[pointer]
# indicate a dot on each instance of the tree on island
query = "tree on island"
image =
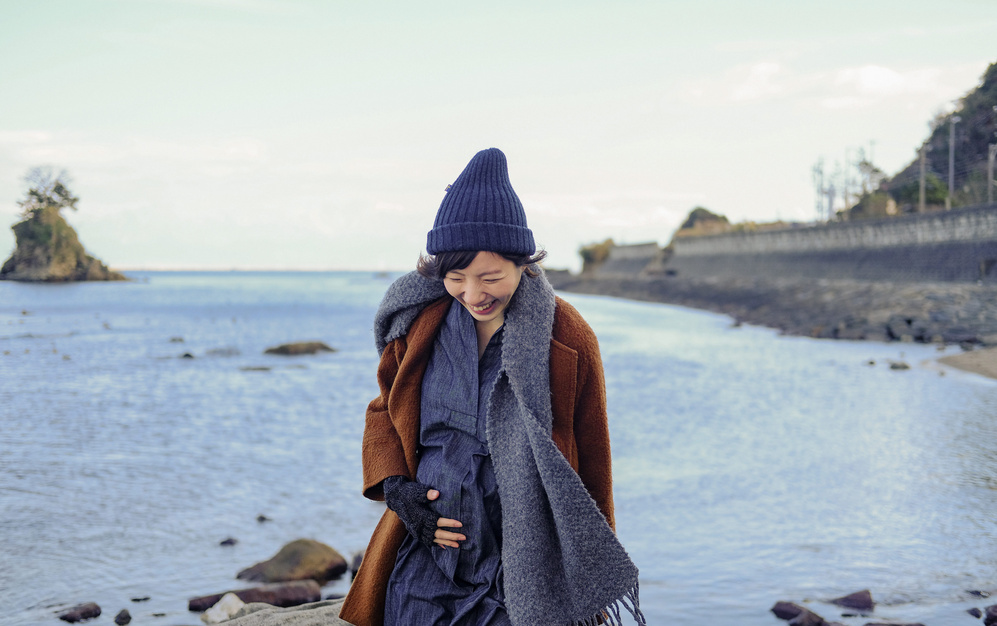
(48, 249)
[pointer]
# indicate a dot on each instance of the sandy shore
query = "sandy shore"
(982, 362)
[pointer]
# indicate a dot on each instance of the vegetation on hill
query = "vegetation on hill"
(974, 132)
(48, 249)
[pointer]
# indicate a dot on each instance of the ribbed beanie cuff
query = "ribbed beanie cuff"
(481, 211)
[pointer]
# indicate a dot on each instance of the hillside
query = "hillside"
(974, 132)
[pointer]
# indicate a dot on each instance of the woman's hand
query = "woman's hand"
(444, 525)
(411, 503)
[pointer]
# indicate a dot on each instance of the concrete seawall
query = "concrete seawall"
(957, 246)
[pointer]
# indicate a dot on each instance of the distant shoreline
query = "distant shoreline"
(942, 313)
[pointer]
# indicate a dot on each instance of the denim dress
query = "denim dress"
(455, 586)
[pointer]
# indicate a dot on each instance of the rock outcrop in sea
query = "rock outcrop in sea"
(47, 248)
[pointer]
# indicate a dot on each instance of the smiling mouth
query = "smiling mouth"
(483, 308)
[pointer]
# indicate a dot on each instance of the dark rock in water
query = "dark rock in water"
(897, 365)
(186, 355)
(230, 541)
(786, 610)
(807, 618)
(893, 624)
(990, 615)
(976, 593)
(301, 347)
(975, 612)
(860, 600)
(141, 599)
(123, 617)
(263, 518)
(299, 560)
(355, 564)
(81, 612)
(284, 594)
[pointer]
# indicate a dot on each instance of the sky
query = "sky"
(321, 134)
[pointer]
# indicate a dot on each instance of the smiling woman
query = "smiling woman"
(489, 441)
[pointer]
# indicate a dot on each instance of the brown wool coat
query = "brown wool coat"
(391, 435)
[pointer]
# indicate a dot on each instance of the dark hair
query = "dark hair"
(438, 265)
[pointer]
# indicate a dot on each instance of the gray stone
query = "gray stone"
(81, 612)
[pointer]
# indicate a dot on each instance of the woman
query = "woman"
(489, 440)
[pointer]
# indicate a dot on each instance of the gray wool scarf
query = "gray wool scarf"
(562, 563)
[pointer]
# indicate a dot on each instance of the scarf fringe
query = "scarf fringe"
(613, 616)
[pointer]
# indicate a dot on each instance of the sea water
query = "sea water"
(141, 424)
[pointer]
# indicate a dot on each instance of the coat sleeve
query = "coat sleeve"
(591, 428)
(383, 454)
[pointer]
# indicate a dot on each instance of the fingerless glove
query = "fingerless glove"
(409, 501)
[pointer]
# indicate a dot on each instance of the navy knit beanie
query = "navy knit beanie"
(481, 211)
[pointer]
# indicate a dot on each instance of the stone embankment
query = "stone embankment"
(942, 312)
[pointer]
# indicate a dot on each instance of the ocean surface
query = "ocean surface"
(749, 467)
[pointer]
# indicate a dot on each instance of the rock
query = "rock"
(123, 617)
(860, 600)
(975, 612)
(261, 518)
(301, 347)
(223, 610)
(899, 365)
(299, 560)
(223, 352)
(807, 618)
(786, 610)
(230, 541)
(893, 624)
(355, 564)
(48, 250)
(283, 594)
(81, 612)
(325, 613)
(990, 615)
(141, 599)
(186, 355)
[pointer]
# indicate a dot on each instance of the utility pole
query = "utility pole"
(818, 174)
(955, 119)
(991, 157)
(920, 201)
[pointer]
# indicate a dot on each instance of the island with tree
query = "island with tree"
(47, 248)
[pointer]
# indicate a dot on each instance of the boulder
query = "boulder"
(301, 347)
(786, 610)
(299, 560)
(325, 613)
(807, 618)
(860, 601)
(123, 617)
(81, 612)
(223, 610)
(990, 615)
(284, 595)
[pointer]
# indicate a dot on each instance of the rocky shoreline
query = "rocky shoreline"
(944, 313)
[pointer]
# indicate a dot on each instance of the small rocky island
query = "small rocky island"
(47, 248)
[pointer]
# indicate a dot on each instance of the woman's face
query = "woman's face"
(485, 287)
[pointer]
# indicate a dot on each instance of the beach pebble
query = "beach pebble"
(81, 612)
